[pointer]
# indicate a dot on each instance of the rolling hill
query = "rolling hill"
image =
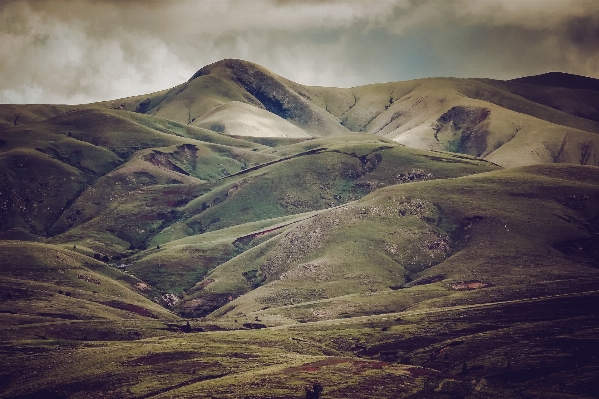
(514, 123)
(245, 236)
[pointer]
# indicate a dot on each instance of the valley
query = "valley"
(244, 236)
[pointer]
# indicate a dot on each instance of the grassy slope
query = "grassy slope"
(176, 266)
(146, 191)
(48, 164)
(232, 80)
(539, 348)
(241, 119)
(43, 171)
(35, 189)
(420, 351)
(14, 115)
(470, 116)
(542, 119)
(389, 164)
(364, 295)
(56, 293)
(338, 173)
(482, 227)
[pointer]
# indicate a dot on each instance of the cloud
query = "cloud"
(505, 38)
(82, 51)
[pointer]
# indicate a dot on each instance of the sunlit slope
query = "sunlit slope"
(234, 80)
(545, 119)
(513, 123)
(359, 106)
(470, 116)
(241, 119)
(504, 230)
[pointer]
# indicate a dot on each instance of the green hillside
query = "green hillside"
(404, 237)
(244, 236)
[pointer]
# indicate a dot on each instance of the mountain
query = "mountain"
(245, 236)
(516, 123)
(560, 79)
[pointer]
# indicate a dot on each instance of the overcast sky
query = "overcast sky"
(83, 51)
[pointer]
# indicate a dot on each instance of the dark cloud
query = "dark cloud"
(81, 51)
(584, 31)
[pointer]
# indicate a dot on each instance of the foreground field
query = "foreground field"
(538, 347)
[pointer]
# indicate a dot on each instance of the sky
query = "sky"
(81, 51)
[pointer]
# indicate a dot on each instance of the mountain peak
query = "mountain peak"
(561, 79)
(227, 64)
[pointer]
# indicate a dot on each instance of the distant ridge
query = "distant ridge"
(560, 79)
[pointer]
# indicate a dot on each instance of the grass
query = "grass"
(176, 266)
(418, 353)
(49, 292)
(538, 314)
(349, 260)
(452, 228)
(36, 188)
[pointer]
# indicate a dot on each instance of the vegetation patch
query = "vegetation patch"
(131, 308)
(469, 285)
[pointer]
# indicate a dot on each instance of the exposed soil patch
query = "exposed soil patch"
(245, 240)
(204, 284)
(414, 175)
(89, 279)
(316, 271)
(461, 116)
(199, 307)
(371, 161)
(162, 160)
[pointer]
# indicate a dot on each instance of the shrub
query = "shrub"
(314, 391)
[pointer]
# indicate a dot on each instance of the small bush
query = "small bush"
(314, 391)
